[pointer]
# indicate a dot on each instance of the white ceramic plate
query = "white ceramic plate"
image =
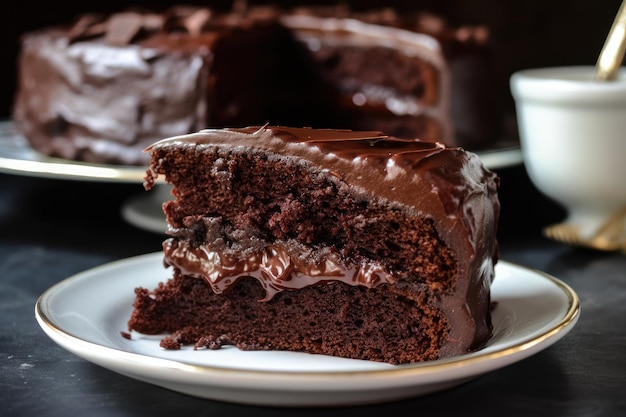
(18, 157)
(86, 313)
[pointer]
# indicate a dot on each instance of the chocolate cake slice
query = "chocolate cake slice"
(335, 242)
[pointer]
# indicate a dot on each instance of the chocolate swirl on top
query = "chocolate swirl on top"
(123, 28)
(134, 26)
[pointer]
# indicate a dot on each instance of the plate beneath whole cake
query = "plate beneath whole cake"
(18, 157)
(86, 313)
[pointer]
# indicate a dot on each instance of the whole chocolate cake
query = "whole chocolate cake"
(336, 242)
(104, 88)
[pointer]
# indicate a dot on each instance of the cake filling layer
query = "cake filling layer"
(274, 267)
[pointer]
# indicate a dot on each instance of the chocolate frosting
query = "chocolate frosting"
(447, 184)
(74, 99)
(138, 26)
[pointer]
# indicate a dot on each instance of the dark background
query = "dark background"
(525, 33)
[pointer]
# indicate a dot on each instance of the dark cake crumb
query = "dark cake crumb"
(171, 343)
(212, 343)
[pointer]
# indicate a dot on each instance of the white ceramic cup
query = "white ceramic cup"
(573, 141)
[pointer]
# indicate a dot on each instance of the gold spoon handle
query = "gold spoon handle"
(614, 47)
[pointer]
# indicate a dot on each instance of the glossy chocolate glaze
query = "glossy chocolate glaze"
(448, 185)
(74, 97)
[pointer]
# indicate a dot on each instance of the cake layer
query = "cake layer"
(379, 324)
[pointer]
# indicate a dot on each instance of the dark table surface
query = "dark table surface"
(51, 229)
